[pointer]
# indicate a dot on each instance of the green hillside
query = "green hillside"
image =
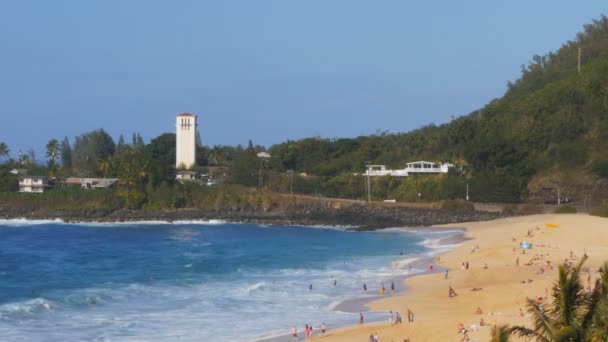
(550, 129)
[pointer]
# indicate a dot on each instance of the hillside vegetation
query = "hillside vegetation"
(549, 130)
(548, 134)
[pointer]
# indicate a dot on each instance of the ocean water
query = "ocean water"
(189, 281)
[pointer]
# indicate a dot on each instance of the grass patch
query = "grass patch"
(565, 209)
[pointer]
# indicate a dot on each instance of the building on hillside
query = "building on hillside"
(90, 183)
(35, 184)
(413, 168)
(185, 141)
(19, 172)
(186, 176)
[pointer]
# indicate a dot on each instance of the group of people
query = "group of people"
(308, 332)
(382, 289)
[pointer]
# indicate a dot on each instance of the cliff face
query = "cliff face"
(359, 216)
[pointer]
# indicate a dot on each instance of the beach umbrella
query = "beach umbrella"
(525, 245)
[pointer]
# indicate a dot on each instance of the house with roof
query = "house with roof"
(33, 184)
(414, 168)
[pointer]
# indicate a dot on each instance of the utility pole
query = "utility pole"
(290, 173)
(261, 177)
(580, 53)
(369, 185)
(467, 192)
(559, 200)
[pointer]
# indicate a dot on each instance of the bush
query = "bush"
(565, 209)
(530, 209)
(600, 168)
(457, 205)
(600, 211)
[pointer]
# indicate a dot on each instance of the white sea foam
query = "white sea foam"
(243, 306)
(26, 222)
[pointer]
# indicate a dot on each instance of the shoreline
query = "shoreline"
(357, 304)
(326, 213)
(494, 282)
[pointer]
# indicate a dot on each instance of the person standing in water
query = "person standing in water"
(392, 287)
(294, 334)
(361, 318)
(323, 328)
(310, 287)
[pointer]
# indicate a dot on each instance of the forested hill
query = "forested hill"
(549, 130)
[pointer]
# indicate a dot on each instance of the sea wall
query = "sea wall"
(359, 216)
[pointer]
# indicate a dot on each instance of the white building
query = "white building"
(35, 184)
(413, 168)
(185, 149)
(90, 183)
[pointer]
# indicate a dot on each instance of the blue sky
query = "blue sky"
(263, 70)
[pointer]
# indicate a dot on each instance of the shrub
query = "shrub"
(565, 209)
(600, 168)
(600, 211)
(457, 205)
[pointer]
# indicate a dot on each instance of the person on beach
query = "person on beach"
(310, 332)
(371, 337)
(390, 317)
(446, 274)
(376, 338)
(361, 318)
(467, 265)
(382, 289)
(398, 318)
(294, 334)
(392, 287)
(323, 328)
(410, 315)
(306, 331)
(451, 292)
(478, 311)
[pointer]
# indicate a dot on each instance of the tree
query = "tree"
(8, 181)
(162, 155)
(4, 151)
(52, 151)
(500, 333)
(133, 174)
(89, 148)
(105, 164)
(66, 153)
(572, 316)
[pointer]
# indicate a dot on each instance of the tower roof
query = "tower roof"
(187, 114)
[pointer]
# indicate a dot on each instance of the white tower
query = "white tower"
(185, 148)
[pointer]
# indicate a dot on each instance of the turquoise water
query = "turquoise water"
(187, 281)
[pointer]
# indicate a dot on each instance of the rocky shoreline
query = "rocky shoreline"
(358, 216)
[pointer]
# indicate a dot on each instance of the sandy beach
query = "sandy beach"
(493, 281)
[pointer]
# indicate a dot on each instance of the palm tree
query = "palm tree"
(52, 151)
(569, 317)
(500, 333)
(105, 164)
(4, 150)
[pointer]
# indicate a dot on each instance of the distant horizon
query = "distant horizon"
(267, 72)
